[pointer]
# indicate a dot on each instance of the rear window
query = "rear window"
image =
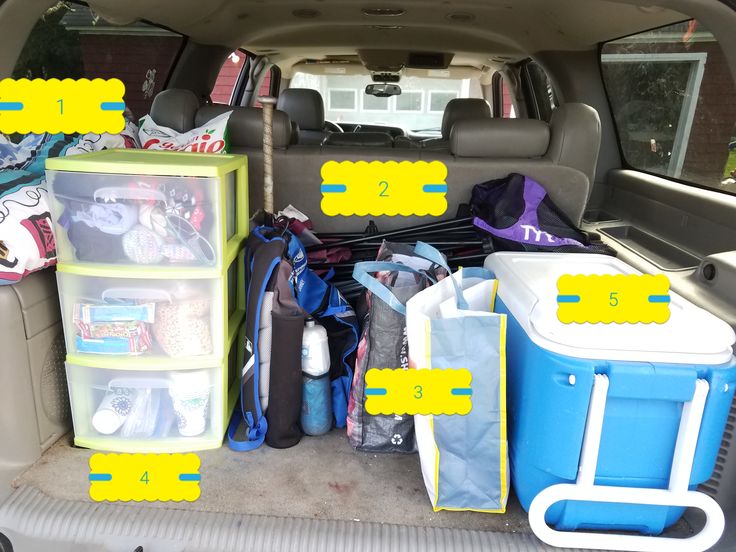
(674, 103)
(71, 41)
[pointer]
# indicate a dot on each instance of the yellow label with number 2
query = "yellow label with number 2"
(384, 188)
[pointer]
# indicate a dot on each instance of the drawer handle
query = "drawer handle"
(147, 294)
(113, 193)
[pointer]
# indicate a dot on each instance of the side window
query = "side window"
(674, 102)
(71, 41)
(507, 104)
(227, 78)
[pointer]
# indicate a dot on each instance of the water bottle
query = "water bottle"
(316, 415)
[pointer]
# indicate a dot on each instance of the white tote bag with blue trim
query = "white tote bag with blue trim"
(451, 324)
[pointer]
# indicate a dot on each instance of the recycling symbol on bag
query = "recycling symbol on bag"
(396, 439)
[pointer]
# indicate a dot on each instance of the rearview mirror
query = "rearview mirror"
(383, 90)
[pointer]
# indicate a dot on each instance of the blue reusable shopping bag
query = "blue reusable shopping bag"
(452, 325)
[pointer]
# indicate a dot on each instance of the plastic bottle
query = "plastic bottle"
(316, 415)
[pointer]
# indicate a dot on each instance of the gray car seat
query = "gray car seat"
(459, 109)
(305, 108)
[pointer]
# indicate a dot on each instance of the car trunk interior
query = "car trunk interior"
(322, 494)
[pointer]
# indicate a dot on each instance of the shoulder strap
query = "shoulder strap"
(430, 253)
(262, 257)
(361, 274)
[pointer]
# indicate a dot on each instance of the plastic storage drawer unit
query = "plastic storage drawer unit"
(147, 410)
(148, 208)
(155, 317)
(645, 377)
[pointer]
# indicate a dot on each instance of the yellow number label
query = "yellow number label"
(620, 298)
(149, 477)
(384, 188)
(437, 391)
(66, 106)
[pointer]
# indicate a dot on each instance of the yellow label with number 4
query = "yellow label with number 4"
(399, 391)
(384, 188)
(67, 106)
(620, 298)
(148, 477)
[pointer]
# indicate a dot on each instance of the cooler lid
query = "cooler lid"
(528, 287)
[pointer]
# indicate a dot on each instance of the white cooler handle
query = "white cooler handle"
(676, 495)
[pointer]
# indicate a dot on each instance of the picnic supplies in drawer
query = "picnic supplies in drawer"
(137, 316)
(625, 396)
(148, 208)
(147, 410)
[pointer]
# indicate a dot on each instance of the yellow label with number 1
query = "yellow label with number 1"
(149, 477)
(384, 188)
(399, 391)
(67, 106)
(620, 298)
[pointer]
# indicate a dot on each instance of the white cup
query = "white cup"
(190, 395)
(113, 410)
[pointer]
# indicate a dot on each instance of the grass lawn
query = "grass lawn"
(731, 164)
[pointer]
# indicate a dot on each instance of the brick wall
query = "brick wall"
(227, 78)
(128, 58)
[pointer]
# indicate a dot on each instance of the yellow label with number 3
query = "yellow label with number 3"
(620, 298)
(437, 391)
(384, 188)
(149, 477)
(66, 106)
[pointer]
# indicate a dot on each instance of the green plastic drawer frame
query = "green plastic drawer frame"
(174, 163)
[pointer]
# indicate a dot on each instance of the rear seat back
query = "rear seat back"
(561, 156)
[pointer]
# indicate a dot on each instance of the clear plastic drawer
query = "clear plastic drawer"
(147, 411)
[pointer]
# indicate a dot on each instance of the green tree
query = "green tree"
(51, 51)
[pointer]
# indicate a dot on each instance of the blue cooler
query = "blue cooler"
(650, 373)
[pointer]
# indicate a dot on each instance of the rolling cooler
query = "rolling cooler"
(611, 426)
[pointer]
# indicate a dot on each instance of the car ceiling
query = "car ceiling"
(476, 31)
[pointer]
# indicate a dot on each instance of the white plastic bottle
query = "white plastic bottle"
(316, 415)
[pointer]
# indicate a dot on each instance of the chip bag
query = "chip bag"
(209, 138)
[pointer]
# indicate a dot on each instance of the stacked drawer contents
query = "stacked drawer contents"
(150, 275)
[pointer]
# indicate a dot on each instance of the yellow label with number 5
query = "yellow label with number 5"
(384, 188)
(149, 477)
(67, 106)
(399, 391)
(620, 298)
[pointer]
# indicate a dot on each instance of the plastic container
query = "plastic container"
(148, 208)
(158, 318)
(316, 417)
(651, 371)
(147, 411)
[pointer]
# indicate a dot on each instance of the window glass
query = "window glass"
(419, 107)
(227, 78)
(374, 103)
(342, 100)
(674, 103)
(438, 100)
(410, 100)
(71, 41)
(506, 101)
